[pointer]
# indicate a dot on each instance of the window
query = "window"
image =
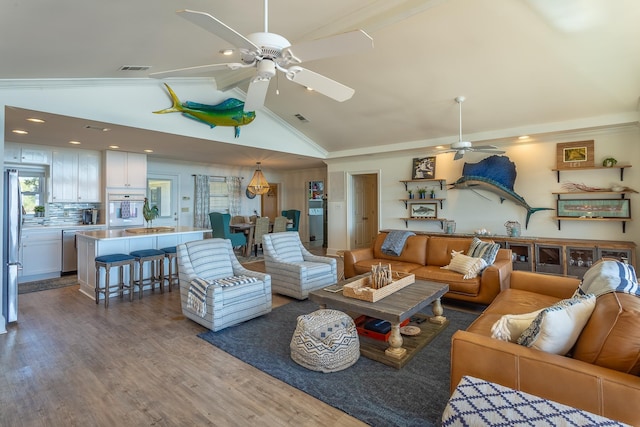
(32, 188)
(218, 195)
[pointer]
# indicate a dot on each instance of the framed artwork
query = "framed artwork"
(594, 208)
(571, 155)
(424, 168)
(424, 210)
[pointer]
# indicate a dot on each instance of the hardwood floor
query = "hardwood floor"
(70, 362)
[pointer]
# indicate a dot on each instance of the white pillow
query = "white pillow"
(556, 328)
(510, 326)
(463, 264)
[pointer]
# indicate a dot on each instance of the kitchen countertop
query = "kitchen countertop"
(62, 226)
(122, 233)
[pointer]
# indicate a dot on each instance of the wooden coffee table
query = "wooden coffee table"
(395, 308)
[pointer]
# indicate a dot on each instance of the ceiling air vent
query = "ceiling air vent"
(134, 68)
(301, 118)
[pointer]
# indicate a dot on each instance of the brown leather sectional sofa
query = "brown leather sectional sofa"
(424, 255)
(601, 376)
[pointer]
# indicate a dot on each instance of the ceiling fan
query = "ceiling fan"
(462, 147)
(269, 52)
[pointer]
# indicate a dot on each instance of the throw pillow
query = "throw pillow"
(510, 326)
(466, 265)
(556, 329)
(485, 250)
(609, 276)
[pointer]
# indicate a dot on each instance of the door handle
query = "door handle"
(364, 218)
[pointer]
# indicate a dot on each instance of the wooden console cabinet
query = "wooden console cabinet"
(566, 257)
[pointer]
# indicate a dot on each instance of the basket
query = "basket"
(360, 289)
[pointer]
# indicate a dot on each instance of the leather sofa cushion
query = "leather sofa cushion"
(439, 249)
(415, 249)
(611, 337)
(455, 281)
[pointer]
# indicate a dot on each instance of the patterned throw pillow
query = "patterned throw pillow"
(556, 328)
(463, 264)
(510, 326)
(485, 250)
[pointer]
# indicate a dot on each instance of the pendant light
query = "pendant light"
(258, 184)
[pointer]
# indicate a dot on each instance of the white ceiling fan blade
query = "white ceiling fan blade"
(200, 69)
(213, 25)
(320, 83)
(485, 147)
(256, 94)
(488, 150)
(340, 44)
(458, 155)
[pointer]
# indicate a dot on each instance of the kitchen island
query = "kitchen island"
(92, 244)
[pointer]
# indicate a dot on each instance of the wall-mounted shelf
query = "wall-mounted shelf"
(440, 220)
(594, 193)
(570, 218)
(621, 167)
(442, 182)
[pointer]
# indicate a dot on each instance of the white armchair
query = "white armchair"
(294, 270)
(223, 293)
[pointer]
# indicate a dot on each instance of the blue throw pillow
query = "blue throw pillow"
(485, 250)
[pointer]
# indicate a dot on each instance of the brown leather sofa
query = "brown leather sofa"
(601, 376)
(424, 255)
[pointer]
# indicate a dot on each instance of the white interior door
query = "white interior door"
(162, 191)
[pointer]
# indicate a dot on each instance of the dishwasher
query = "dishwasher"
(69, 249)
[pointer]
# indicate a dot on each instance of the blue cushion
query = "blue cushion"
(169, 250)
(114, 258)
(143, 253)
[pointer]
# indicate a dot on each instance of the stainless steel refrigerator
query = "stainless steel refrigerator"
(12, 229)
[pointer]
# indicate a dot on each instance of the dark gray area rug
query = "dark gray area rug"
(370, 391)
(47, 284)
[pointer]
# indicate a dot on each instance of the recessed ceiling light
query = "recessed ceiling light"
(439, 147)
(523, 137)
(35, 120)
(97, 128)
(20, 131)
(148, 151)
(114, 146)
(226, 52)
(75, 142)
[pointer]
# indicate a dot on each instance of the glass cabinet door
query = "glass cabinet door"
(521, 256)
(549, 259)
(579, 260)
(623, 255)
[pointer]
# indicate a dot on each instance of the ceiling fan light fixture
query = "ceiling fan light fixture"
(258, 183)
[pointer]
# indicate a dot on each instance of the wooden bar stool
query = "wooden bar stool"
(107, 262)
(172, 259)
(156, 258)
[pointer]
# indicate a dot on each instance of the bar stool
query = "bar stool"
(172, 258)
(107, 262)
(156, 258)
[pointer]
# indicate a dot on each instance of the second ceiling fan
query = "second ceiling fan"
(461, 147)
(269, 52)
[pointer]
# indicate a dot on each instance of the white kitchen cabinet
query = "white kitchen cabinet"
(12, 153)
(89, 176)
(41, 253)
(126, 170)
(75, 176)
(36, 156)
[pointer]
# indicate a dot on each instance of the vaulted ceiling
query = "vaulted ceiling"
(525, 66)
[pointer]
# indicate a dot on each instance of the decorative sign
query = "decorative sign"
(572, 155)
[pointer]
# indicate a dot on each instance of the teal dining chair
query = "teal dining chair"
(220, 229)
(293, 215)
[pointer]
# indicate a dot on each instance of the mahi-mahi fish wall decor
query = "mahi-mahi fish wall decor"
(496, 174)
(228, 113)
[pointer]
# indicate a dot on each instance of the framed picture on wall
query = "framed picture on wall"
(424, 168)
(424, 210)
(594, 208)
(571, 155)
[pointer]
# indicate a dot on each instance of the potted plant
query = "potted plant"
(433, 193)
(410, 194)
(422, 192)
(38, 211)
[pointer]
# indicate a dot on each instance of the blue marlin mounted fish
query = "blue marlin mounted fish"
(496, 174)
(227, 113)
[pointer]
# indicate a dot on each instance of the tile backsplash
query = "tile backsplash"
(64, 213)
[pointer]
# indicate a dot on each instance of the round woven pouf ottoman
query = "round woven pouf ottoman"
(325, 341)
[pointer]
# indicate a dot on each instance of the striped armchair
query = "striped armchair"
(202, 266)
(294, 270)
